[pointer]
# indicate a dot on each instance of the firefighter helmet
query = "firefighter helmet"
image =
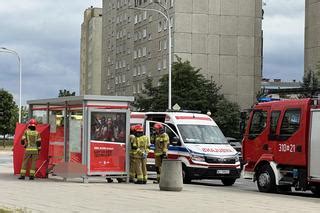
(158, 126)
(138, 128)
(32, 122)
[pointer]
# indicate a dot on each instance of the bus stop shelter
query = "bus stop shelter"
(89, 132)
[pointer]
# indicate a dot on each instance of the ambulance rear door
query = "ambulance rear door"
(314, 146)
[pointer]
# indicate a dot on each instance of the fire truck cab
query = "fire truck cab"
(281, 146)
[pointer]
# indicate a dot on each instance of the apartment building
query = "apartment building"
(312, 34)
(222, 37)
(90, 55)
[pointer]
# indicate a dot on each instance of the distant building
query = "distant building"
(268, 86)
(90, 55)
(222, 37)
(312, 34)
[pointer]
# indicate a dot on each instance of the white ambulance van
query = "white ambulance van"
(197, 141)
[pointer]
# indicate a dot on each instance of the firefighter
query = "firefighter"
(31, 141)
(140, 155)
(132, 172)
(161, 148)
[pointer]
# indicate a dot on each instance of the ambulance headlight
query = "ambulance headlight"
(198, 158)
(237, 159)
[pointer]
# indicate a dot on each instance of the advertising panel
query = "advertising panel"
(108, 142)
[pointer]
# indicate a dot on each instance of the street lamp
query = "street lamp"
(167, 17)
(6, 50)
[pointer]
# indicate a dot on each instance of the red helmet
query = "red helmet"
(32, 122)
(132, 128)
(158, 126)
(138, 128)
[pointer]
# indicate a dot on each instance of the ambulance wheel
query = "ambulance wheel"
(185, 175)
(266, 180)
(228, 181)
(315, 190)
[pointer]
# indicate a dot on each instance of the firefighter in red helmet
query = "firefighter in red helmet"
(140, 154)
(31, 141)
(161, 147)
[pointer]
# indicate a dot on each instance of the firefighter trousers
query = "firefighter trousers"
(158, 161)
(132, 171)
(141, 169)
(33, 158)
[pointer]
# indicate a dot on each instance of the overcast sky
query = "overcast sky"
(46, 34)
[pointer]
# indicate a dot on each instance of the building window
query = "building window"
(134, 89)
(164, 63)
(160, 44)
(123, 78)
(139, 53)
(171, 3)
(159, 26)
(150, 18)
(144, 51)
(165, 44)
(134, 54)
(139, 70)
(136, 19)
(144, 69)
(165, 23)
(134, 71)
(144, 15)
(159, 65)
(144, 33)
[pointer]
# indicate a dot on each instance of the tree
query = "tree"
(192, 91)
(8, 113)
(64, 93)
(310, 84)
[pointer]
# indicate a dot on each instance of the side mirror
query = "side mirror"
(176, 141)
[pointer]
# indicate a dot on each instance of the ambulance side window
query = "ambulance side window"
(170, 133)
(258, 123)
(290, 122)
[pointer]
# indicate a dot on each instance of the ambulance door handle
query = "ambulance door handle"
(265, 147)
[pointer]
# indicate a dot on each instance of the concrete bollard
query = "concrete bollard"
(171, 175)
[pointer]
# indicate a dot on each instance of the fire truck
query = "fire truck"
(281, 146)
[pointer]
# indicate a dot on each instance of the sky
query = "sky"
(46, 34)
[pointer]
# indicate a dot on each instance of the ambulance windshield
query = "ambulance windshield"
(201, 134)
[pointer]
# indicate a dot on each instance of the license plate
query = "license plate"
(223, 172)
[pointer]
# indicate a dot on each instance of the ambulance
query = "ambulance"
(197, 141)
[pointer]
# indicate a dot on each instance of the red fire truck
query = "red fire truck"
(281, 146)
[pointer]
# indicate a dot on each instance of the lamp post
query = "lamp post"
(6, 50)
(167, 17)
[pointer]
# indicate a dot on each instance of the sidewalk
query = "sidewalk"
(47, 195)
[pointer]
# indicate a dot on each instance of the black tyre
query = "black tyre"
(185, 175)
(316, 190)
(266, 181)
(228, 181)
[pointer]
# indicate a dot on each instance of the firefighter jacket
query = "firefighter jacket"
(161, 144)
(143, 147)
(31, 141)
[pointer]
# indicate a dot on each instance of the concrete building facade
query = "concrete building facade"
(312, 34)
(90, 55)
(222, 37)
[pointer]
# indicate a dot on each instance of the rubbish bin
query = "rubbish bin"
(171, 175)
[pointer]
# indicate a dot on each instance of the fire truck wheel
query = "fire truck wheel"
(185, 175)
(316, 190)
(228, 181)
(266, 179)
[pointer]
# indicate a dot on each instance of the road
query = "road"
(52, 195)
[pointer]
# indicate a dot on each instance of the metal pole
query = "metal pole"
(169, 67)
(20, 77)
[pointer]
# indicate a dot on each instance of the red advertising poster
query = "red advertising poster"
(107, 144)
(107, 157)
